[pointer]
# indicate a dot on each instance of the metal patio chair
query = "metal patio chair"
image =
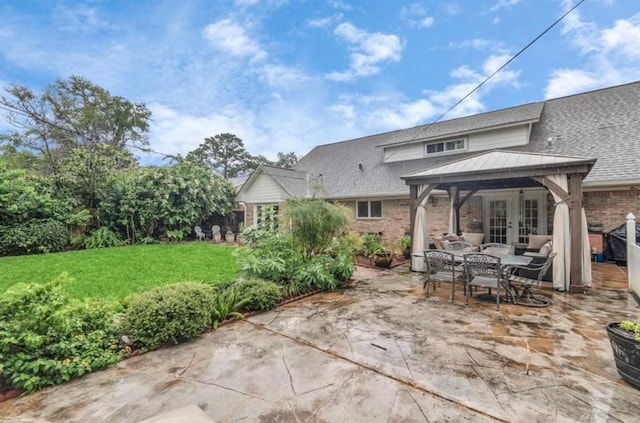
(200, 236)
(441, 267)
(497, 249)
(460, 246)
(517, 282)
(483, 270)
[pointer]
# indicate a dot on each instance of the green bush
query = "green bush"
(35, 236)
(48, 338)
(314, 224)
(259, 294)
(170, 313)
(102, 238)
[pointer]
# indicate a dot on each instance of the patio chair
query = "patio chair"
(441, 267)
(199, 234)
(497, 249)
(517, 282)
(483, 270)
(460, 246)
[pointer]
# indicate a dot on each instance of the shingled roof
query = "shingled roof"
(602, 124)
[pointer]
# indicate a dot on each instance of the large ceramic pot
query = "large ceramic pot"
(382, 260)
(626, 351)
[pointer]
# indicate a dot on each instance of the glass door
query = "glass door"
(511, 218)
(499, 224)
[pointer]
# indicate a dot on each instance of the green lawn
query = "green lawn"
(118, 272)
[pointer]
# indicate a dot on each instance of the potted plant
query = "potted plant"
(404, 243)
(382, 258)
(229, 237)
(625, 343)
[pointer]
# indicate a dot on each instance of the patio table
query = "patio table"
(506, 261)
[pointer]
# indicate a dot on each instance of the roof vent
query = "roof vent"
(360, 166)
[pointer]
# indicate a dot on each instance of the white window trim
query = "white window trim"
(369, 210)
(444, 143)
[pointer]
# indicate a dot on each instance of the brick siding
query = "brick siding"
(611, 207)
(607, 207)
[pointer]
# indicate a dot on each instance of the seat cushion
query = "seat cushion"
(472, 237)
(486, 281)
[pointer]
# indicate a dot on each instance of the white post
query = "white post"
(631, 243)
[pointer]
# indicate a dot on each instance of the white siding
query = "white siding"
(499, 138)
(404, 152)
(263, 190)
(487, 140)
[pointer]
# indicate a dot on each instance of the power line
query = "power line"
(17, 111)
(477, 87)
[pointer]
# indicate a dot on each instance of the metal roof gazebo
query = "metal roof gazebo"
(496, 169)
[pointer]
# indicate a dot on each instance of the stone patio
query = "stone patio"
(378, 351)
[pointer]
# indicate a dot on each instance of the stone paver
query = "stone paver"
(379, 351)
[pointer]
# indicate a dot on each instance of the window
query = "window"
(267, 217)
(368, 209)
(445, 146)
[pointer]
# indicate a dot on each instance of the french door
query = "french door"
(510, 218)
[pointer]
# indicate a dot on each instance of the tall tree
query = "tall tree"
(286, 160)
(70, 114)
(223, 153)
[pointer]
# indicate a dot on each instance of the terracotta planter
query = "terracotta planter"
(626, 351)
(217, 237)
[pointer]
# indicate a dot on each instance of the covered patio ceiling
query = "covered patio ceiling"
(500, 169)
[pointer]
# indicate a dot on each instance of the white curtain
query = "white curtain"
(586, 253)
(420, 239)
(453, 230)
(561, 236)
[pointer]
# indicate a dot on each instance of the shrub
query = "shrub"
(259, 294)
(169, 313)
(314, 273)
(314, 223)
(225, 304)
(49, 338)
(371, 244)
(35, 236)
(102, 238)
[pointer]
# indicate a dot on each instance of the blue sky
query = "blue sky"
(286, 75)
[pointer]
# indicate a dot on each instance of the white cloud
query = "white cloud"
(325, 22)
(368, 51)
(623, 38)
(609, 56)
(230, 37)
(340, 5)
(501, 4)
(427, 22)
(390, 110)
(569, 81)
(478, 44)
(415, 15)
(283, 76)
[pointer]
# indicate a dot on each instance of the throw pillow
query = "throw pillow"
(537, 241)
(545, 250)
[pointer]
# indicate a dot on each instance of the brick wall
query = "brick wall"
(393, 224)
(611, 207)
(438, 215)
